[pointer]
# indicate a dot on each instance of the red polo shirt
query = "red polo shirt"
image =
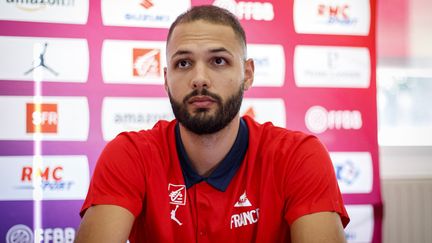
(254, 195)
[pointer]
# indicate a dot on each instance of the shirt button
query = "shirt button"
(202, 233)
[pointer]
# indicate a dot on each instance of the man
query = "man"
(211, 175)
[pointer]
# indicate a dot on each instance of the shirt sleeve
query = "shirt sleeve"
(310, 182)
(118, 178)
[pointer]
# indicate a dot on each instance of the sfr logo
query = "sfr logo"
(41, 118)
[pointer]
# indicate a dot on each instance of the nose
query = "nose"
(200, 79)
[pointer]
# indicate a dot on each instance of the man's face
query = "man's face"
(206, 75)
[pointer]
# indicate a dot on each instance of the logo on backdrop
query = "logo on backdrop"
(55, 118)
(21, 233)
(54, 11)
(41, 118)
(44, 59)
(361, 226)
(269, 64)
(132, 114)
(336, 14)
(329, 66)
(347, 172)
(260, 11)
(318, 119)
(40, 63)
(353, 171)
(249, 112)
(258, 108)
(147, 4)
(57, 177)
(31, 6)
(133, 62)
(332, 17)
(146, 62)
(51, 176)
(142, 13)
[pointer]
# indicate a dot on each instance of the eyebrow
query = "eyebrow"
(220, 49)
(215, 50)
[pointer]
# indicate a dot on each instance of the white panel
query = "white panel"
(63, 177)
(132, 114)
(360, 229)
(247, 10)
(155, 14)
(269, 64)
(353, 171)
(56, 59)
(325, 66)
(122, 64)
(71, 118)
(340, 17)
(65, 11)
(264, 110)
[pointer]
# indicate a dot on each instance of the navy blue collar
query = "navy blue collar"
(225, 171)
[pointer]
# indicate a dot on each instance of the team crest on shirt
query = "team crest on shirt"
(177, 194)
(245, 217)
(243, 201)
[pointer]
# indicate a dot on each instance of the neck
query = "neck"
(207, 151)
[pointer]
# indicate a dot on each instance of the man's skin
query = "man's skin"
(205, 55)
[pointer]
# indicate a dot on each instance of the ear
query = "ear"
(249, 70)
(165, 79)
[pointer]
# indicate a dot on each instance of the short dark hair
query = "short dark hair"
(214, 15)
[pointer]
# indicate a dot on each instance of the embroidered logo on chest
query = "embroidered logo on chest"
(177, 197)
(177, 194)
(248, 217)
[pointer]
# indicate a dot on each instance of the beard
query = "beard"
(201, 122)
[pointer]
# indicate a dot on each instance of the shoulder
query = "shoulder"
(270, 137)
(137, 147)
(158, 135)
(289, 154)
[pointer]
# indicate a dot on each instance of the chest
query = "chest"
(250, 210)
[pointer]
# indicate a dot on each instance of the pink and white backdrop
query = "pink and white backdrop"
(74, 73)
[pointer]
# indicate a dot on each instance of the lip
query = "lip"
(201, 101)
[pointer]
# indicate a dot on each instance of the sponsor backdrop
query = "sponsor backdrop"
(73, 74)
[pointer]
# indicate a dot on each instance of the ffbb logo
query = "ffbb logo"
(41, 118)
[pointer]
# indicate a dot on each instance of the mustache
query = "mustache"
(202, 92)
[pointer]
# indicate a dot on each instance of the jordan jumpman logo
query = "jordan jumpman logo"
(42, 62)
(173, 217)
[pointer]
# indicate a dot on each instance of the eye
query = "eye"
(220, 61)
(183, 64)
